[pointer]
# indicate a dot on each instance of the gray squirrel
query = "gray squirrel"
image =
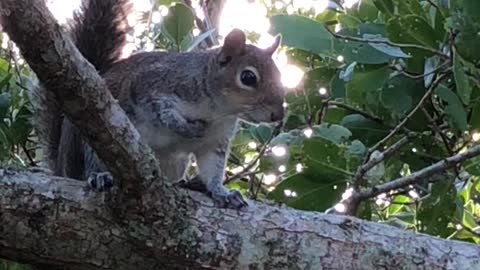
(181, 103)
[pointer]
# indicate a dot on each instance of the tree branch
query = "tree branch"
(387, 42)
(82, 92)
(423, 174)
(412, 112)
(51, 220)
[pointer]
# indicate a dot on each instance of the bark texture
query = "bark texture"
(56, 222)
(81, 91)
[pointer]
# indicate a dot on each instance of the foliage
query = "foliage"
(368, 69)
(378, 60)
(15, 127)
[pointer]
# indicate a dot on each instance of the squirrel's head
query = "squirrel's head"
(250, 80)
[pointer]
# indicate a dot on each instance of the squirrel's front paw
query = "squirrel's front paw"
(100, 181)
(229, 199)
(222, 197)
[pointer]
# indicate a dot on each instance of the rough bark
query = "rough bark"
(55, 221)
(82, 92)
(51, 221)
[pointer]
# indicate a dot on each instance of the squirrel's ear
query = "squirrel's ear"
(278, 39)
(233, 45)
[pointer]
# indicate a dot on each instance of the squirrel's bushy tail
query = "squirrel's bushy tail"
(99, 32)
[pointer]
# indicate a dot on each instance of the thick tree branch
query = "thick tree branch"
(84, 95)
(53, 220)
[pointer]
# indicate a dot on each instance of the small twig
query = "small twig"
(418, 176)
(321, 113)
(404, 121)
(437, 129)
(387, 42)
(200, 24)
(30, 159)
(248, 167)
(444, 138)
(433, 4)
(362, 170)
(421, 76)
(253, 162)
(355, 110)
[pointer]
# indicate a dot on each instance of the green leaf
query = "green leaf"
(363, 129)
(349, 21)
(292, 139)
(5, 81)
(365, 84)
(21, 125)
(178, 24)
(261, 132)
(400, 95)
(385, 6)
(325, 160)
(337, 84)
(437, 211)
(467, 41)
(472, 166)
(475, 117)
(334, 133)
(356, 51)
(4, 105)
(356, 148)
(302, 33)
(464, 89)
(411, 29)
(383, 47)
(335, 115)
(454, 109)
(310, 194)
(365, 10)
(471, 8)
(166, 2)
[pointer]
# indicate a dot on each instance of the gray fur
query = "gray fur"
(182, 104)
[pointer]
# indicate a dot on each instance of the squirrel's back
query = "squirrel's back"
(99, 32)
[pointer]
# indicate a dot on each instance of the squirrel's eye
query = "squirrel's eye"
(248, 78)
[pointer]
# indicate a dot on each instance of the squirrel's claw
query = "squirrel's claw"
(233, 199)
(100, 181)
(222, 197)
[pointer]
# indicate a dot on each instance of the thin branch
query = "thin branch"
(253, 162)
(421, 76)
(362, 170)
(387, 42)
(405, 120)
(436, 128)
(421, 175)
(200, 24)
(355, 110)
(433, 4)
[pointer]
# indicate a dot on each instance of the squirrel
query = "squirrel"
(182, 104)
